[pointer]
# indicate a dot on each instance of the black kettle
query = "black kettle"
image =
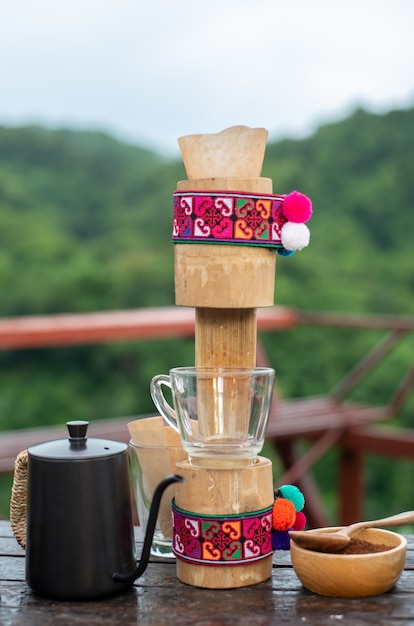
(79, 524)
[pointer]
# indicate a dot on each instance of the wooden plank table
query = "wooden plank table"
(158, 598)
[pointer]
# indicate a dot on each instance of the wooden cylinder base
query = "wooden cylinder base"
(224, 492)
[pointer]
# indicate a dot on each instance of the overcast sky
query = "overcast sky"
(149, 72)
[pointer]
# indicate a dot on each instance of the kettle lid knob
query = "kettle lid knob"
(77, 431)
(80, 446)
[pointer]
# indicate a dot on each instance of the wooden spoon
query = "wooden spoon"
(324, 541)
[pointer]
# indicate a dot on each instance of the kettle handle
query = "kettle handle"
(149, 533)
(18, 501)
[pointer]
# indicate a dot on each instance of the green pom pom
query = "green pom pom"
(292, 493)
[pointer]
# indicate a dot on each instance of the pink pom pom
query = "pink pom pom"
(300, 521)
(297, 207)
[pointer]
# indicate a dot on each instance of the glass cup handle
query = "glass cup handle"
(159, 400)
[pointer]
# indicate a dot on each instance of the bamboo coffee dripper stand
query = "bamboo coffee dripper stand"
(225, 284)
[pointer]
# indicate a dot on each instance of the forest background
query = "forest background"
(85, 225)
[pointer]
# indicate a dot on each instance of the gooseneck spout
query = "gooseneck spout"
(149, 533)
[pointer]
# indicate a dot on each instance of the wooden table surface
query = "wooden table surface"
(159, 598)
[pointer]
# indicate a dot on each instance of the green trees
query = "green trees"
(85, 224)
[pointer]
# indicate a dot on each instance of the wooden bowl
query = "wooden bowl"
(352, 575)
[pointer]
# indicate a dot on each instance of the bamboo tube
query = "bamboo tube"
(225, 337)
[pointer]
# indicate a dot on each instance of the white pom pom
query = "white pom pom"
(295, 236)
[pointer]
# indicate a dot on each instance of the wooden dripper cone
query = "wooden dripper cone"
(236, 152)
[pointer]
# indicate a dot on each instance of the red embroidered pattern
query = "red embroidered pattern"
(222, 540)
(228, 217)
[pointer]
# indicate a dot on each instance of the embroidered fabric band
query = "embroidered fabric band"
(228, 217)
(222, 540)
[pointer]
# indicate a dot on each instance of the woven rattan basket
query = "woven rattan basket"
(18, 502)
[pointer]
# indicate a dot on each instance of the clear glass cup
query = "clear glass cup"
(149, 464)
(220, 413)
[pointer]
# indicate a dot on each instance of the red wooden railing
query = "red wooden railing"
(326, 421)
(102, 327)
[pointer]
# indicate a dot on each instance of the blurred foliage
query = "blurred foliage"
(85, 225)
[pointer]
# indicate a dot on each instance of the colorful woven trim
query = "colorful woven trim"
(232, 217)
(222, 540)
